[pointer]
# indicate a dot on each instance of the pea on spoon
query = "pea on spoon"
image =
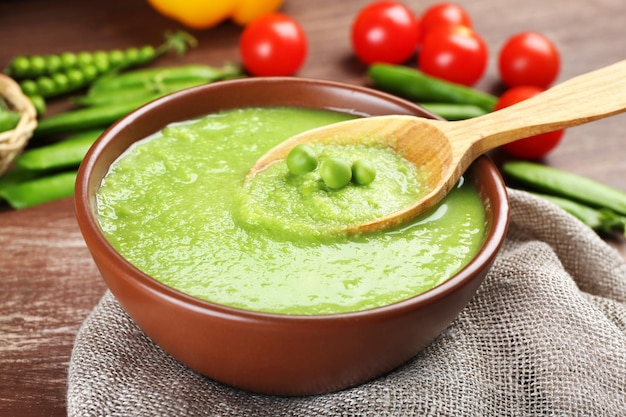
(444, 150)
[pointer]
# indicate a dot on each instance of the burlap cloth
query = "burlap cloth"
(544, 335)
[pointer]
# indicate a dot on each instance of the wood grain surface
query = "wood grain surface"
(49, 282)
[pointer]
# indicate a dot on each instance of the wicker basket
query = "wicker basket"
(12, 142)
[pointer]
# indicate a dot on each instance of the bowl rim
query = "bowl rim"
(99, 246)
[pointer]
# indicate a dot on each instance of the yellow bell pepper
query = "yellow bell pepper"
(203, 14)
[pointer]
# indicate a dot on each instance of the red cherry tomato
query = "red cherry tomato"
(454, 53)
(529, 58)
(273, 45)
(385, 31)
(534, 147)
(443, 14)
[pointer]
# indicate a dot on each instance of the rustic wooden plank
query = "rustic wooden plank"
(49, 286)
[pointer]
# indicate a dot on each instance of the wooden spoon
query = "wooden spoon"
(446, 149)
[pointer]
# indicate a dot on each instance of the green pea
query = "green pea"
(61, 82)
(29, 87)
(90, 72)
(100, 54)
(53, 63)
(363, 172)
(84, 58)
(69, 59)
(75, 77)
(116, 58)
(39, 103)
(335, 172)
(132, 55)
(45, 86)
(37, 64)
(20, 66)
(102, 65)
(146, 54)
(301, 159)
(101, 60)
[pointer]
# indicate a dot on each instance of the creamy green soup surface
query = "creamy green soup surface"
(303, 206)
(176, 207)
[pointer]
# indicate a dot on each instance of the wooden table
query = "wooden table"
(49, 283)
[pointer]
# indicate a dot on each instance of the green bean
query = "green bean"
(453, 111)
(87, 118)
(417, 86)
(34, 66)
(603, 220)
(155, 76)
(66, 153)
(565, 184)
(40, 190)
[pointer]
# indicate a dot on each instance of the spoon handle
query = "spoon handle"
(582, 99)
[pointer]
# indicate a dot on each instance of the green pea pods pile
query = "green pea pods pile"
(448, 100)
(599, 206)
(52, 75)
(46, 172)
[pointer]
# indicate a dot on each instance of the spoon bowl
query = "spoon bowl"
(444, 150)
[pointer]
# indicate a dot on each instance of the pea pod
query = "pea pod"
(63, 154)
(16, 175)
(107, 113)
(34, 66)
(59, 83)
(156, 76)
(565, 184)
(453, 111)
(417, 86)
(602, 220)
(107, 97)
(40, 190)
(88, 117)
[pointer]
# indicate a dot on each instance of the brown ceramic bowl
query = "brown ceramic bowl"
(272, 353)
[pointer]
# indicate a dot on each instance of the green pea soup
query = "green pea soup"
(175, 205)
